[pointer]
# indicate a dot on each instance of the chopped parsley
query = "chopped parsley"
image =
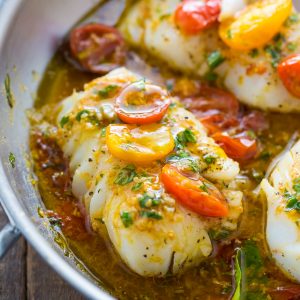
(150, 214)
(293, 19)
(9, 95)
(147, 201)
(209, 158)
(103, 132)
(275, 54)
(82, 113)
(219, 234)
(178, 156)
(293, 199)
(12, 160)
(64, 120)
(210, 76)
(126, 218)
(265, 155)
(126, 175)
(137, 186)
(254, 53)
(105, 92)
(184, 137)
(203, 187)
(214, 59)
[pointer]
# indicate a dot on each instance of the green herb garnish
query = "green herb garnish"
(237, 276)
(203, 187)
(265, 155)
(137, 186)
(254, 53)
(147, 201)
(209, 159)
(210, 76)
(219, 234)
(214, 59)
(82, 113)
(275, 54)
(64, 120)
(103, 132)
(150, 215)
(9, 95)
(293, 199)
(184, 137)
(126, 175)
(105, 92)
(126, 218)
(12, 160)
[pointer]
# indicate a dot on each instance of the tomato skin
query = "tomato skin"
(97, 47)
(255, 26)
(193, 16)
(188, 192)
(240, 148)
(139, 144)
(289, 73)
(156, 104)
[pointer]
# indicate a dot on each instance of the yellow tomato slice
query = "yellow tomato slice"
(139, 144)
(256, 25)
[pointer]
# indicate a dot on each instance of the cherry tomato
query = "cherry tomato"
(210, 98)
(199, 195)
(193, 16)
(255, 121)
(139, 144)
(216, 108)
(289, 73)
(142, 103)
(240, 147)
(98, 48)
(255, 26)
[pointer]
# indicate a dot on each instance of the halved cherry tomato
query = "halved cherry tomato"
(142, 103)
(217, 109)
(193, 16)
(199, 195)
(240, 147)
(139, 144)
(210, 98)
(255, 26)
(98, 48)
(289, 73)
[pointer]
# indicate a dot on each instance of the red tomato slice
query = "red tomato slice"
(98, 48)
(199, 195)
(142, 103)
(289, 72)
(193, 16)
(240, 148)
(210, 98)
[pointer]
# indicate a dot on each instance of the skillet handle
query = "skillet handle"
(8, 235)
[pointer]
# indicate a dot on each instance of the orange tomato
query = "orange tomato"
(139, 144)
(200, 196)
(255, 25)
(289, 73)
